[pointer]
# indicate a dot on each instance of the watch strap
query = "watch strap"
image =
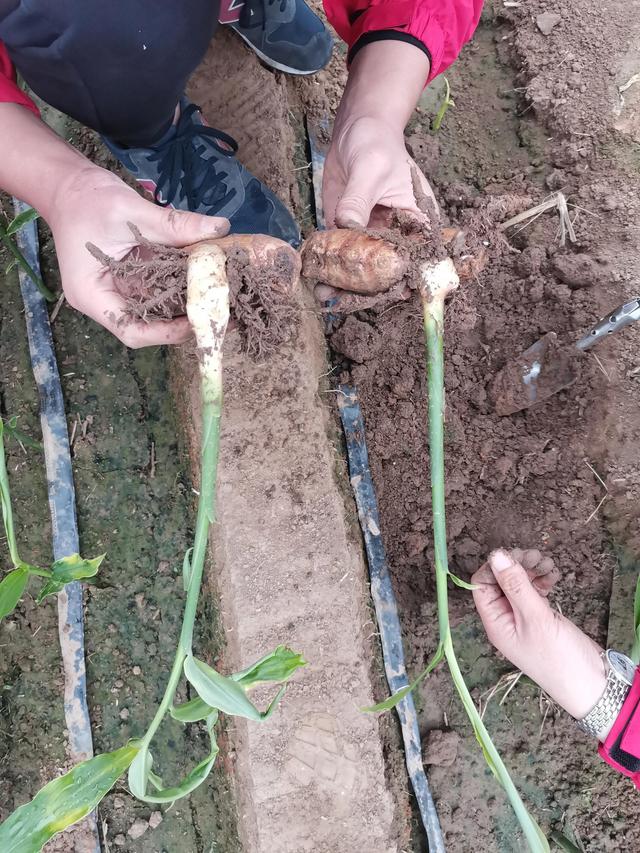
(601, 717)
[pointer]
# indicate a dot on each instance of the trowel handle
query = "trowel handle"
(617, 319)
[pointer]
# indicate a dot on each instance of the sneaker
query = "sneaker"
(285, 34)
(193, 167)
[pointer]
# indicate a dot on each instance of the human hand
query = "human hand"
(546, 646)
(367, 173)
(94, 206)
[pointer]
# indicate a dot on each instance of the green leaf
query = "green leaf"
(21, 220)
(218, 691)
(635, 649)
(274, 704)
(5, 504)
(142, 772)
(155, 780)
(278, 666)
(139, 772)
(11, 589)
(75, 568)
(399, 695)
(51, 587)
(223, 693)
(186, 570)
(10, 266)
(69, 569)
(564, 843)
(462, 584)
(191, 712)
(63, 802)
(11, 428)
(485, 751)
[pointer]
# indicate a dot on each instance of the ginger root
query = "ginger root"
(353, 260)
(371, 265)
(269, 261)
(262, 272)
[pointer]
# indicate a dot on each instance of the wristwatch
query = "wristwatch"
(620, 671)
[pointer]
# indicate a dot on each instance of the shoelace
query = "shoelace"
(253, 13)
(181, 164)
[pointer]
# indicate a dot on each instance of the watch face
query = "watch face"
(623, 666)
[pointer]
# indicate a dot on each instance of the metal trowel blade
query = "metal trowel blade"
(538, 373)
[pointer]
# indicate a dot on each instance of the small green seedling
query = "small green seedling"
(18, 260)
(71, 797)
(15, 582)
(444, 106)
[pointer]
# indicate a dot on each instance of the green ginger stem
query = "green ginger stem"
(433, 311)
(444, 106)
(211, 413)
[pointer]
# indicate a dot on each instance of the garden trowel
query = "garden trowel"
(549, 366)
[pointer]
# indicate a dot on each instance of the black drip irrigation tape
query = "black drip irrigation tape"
(386, 608)
(381, 588)
(62, 505)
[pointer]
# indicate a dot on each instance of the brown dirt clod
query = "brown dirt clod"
(441, 748)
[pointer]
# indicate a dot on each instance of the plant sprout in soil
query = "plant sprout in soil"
(447, 102)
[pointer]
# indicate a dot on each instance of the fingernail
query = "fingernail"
(213, 229)
(349, 219)
(500, 561)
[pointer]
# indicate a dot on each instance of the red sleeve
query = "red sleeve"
(9, 90)
(621, 749)
(442, 26)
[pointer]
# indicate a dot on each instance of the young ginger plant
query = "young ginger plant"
(423, 265)
(71, 797)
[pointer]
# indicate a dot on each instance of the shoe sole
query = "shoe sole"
(277, 66)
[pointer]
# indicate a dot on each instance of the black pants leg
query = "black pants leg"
(118, 66)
